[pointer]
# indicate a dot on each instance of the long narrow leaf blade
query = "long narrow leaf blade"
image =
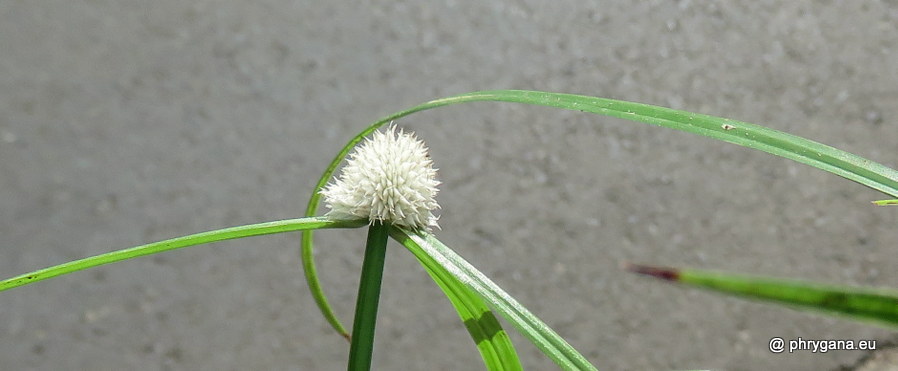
(433, 252)
(492, 341)
(176, 243)
(879, 306)
(821, 156)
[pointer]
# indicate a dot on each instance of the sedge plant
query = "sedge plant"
(389, 186)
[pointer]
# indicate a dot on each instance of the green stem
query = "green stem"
(179, 242)
(362, 343)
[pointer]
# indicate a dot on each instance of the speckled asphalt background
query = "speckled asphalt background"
(128, 122)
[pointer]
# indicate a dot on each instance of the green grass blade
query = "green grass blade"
(879, 306)
(176, 243)
(435, 253)
(802, 150)
(492, 341)
(847, 165)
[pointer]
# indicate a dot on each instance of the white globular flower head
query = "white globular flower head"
(388, 179)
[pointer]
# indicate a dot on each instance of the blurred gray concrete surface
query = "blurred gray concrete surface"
(126, 122)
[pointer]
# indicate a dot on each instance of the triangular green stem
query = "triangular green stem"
(362, 342)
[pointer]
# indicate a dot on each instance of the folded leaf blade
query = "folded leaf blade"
(432, 252)
(492, 341)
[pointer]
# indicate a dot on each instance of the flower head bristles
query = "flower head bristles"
(390, 179)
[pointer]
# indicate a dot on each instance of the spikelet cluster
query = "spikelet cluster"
(389, 178)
